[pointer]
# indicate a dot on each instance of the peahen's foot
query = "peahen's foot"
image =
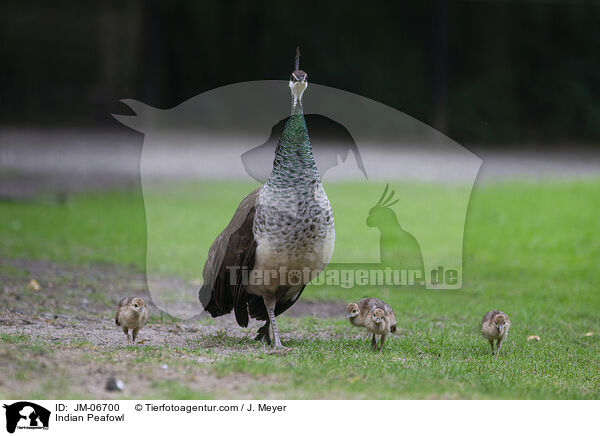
(280, 350)
(263, 334)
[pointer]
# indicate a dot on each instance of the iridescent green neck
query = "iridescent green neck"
(294, 161)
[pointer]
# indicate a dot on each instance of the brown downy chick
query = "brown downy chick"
(494, 326)
(131, 314)
(382, 323)
(357, 312)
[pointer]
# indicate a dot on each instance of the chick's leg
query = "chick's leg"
(381, 341)
(492, 345)
(134, 333)
(373, 342)
(499, 344)
(126, 331)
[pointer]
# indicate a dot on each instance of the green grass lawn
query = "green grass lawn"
(530, 249)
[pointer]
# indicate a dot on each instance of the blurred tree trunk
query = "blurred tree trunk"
(438, 65)
(151, 70)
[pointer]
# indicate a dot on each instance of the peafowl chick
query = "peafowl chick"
(378, 322)
(374, 314)
(357, 312)
(132, 314)
(494, 327)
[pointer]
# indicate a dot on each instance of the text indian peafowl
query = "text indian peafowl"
(280, 237)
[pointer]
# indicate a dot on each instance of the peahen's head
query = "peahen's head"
(298, 81)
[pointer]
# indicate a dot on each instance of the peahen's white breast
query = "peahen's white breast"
(294, 231)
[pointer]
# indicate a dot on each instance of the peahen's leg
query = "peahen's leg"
(263, 333)
(270, 305)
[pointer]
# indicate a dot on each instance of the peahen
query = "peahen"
(280, 237)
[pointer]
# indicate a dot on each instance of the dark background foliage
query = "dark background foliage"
(487, 72)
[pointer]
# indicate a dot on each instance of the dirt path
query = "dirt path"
(65, 331)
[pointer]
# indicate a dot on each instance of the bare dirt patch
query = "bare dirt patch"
(61, 339)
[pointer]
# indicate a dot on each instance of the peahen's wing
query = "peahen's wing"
(282, 306)
(230, 254)
(257, 309)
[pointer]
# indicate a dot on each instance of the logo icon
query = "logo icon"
(26, 415)
(412, 236)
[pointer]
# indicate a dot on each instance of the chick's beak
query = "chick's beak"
(348, 315)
